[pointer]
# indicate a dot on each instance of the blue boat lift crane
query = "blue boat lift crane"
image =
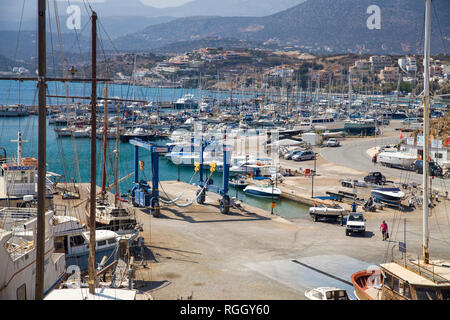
(143, 195)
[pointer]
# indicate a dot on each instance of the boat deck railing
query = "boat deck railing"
(423, 270)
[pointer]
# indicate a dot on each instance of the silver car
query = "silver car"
(304, 155)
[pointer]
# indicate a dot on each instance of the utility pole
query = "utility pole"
(312, 176)
(92, 271)
(40, 228)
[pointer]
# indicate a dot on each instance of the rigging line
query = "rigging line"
(109, 38)
(17, 46)
(439, 27)
(77, 40)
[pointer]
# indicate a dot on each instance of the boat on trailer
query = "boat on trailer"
(388, 195)
(322, 212)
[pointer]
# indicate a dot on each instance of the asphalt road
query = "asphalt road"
(352, 153)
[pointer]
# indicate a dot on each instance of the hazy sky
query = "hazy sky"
(164, 3)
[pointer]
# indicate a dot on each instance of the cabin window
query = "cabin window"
(424, 293)
(445, 294)
(407, 290)
(101, 243)
(22, 292)
(111, 241)
(396, 285)
(438, 155)
(388, 281)
(342, 295)
(24, 177)
(76, 241)
(61, 244)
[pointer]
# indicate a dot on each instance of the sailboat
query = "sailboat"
(112, 216)
(411, 279)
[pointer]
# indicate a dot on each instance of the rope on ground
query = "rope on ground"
(192, 201)
(179, 196)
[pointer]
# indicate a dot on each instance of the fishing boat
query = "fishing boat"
(388, 195)
(115, 218)
(18, 179)
(72, 239)
(263, 191)
(18, 254)
(404, 280)
(84, 294)
(410, 279)
(327, 293)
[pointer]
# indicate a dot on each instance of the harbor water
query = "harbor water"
(71, 157)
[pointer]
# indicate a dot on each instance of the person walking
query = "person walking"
(384, 230)
(374, 159)
(354, 206)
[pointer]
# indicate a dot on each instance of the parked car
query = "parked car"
(375, 177)
(333, 142)
(288, 156)
(410, 120)
(304, 155)
(355, 223)
(435, 169)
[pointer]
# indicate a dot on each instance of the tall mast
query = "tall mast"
(19, 147)
(93, 190)
(116, 172)
(105, 137)
(349, 91)
(426, 128)
(40, 228)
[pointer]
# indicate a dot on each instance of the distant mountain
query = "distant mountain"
(230, 8)
(115, 26)
(317, 25)
(11, 10)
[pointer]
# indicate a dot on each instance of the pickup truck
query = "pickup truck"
(332, 142)
(355, 223)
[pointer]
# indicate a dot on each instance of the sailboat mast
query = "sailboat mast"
(116, 172)
(426, 128)
(93, 156)
(105, 137)
(40, 228)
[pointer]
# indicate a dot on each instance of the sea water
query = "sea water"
(71, 157)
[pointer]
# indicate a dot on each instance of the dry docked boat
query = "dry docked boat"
(388, 195)
(407, 280)
(18, 254)
(18, 178)
(100, 294)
